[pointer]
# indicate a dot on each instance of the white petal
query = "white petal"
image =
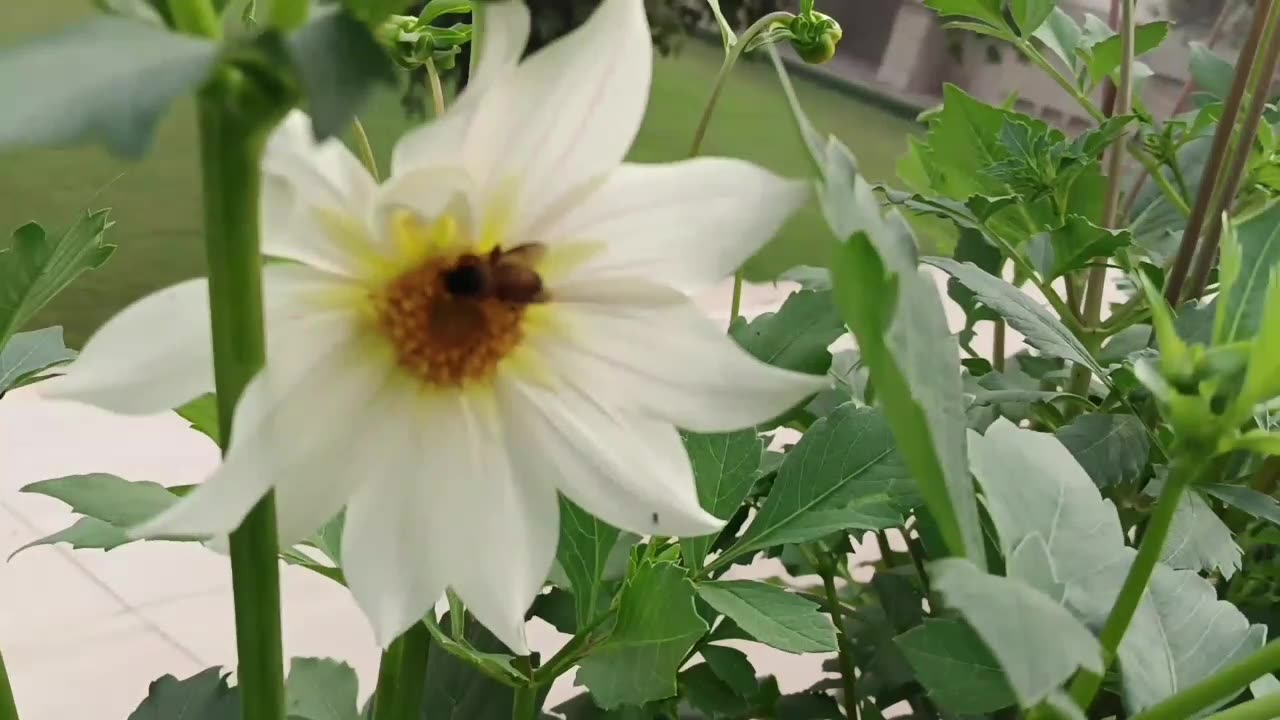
(673, 363)
(302, 402)
(690, 224)
(303, 182)
(154, 355)
(459, 516)
(568, 114)
(630, 471)
(503, 38)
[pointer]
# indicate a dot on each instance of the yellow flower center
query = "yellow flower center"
(455, 315)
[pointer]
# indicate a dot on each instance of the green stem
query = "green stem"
(232, 137)
(1224, 198)
(477, 28)
(1266, 707)
(1091, 312)
(524, 704)
(437, 91)
(364, 148)
(1086, 684)
(1224, 684)
(735, 302)
(288, 14)
(1211, 175)
(836, 609)
(402, 676)
(8, 707)
(196, 17)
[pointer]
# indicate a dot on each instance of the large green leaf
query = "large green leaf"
(657, 625)
(1259, 239)
(733, 667)
(110, 505)
(1210, 71)
(28, 354)
(1259, 505)
(1104, 56)
(772, 615)
(1061, 34)
(725, 467)
(339, 62)
(456, 689)
(35, 267)
(797, 335)
(1111, 448)
(844, 473)
(203, 696)
(990, 12)
(1071, 246)
(1029, 15)
(1199, 540)
(321, 689)
(585, 544)
(1042, 330)
(955, 666)
(1017, 622)
(897, 316)
(108, 79)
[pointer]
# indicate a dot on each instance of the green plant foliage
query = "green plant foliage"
(321, 689)
(36, 266)
(1111, 448)
(656, 626)
(1200, 541)
(339, 63)
(771, 615)
(111, 505)
(203, 696)
(30, 354)
(725, 467)
(585, 544)
(106, 80)
(797, 335)
(956, 667)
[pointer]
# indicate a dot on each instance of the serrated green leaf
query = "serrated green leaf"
(1198, 540)
(657, 625)
(321, 689)
(1016, 623)
(36, 267)
(585, 544)
(954, 665)
(1211, 72)
(1061, 34)
(339, 63)
(732, 666)
(808, 706)
(1042, 330)
(990, 12)
(706, 691)
(1111, 448)
(202, 413)
(1029, 15)
(725, 467)
(844, 464)
(28, 354)
(203, 696)
(1071, 246)
(797, 335)
(1245, 499)
(1103, 56)
(1259, 239)
(772, 615)
(84, 534)
(105, 497)
(108, 79)
(458, 690)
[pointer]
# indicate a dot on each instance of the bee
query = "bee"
(504, 275)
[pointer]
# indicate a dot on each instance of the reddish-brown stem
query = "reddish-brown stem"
(1209, 180)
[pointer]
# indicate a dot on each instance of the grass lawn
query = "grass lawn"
(156, 203)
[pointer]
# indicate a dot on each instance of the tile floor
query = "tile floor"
(84, 632)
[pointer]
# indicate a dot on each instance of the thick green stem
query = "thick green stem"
(1086, 684)
(1224, 198)
(1091, 312)
(8, 707)
(477, 29)
(848, 677)
(1266, 707)
(1211, 175)
(231, 142)
(525, 704)
(402, 676)
(735, 302)
(1224, 684)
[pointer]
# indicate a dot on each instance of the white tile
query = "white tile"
(147, 573)
(100, 674)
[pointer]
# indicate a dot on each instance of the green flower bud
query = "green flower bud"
(815, 36)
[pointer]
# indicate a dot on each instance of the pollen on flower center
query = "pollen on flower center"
(454, 318)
